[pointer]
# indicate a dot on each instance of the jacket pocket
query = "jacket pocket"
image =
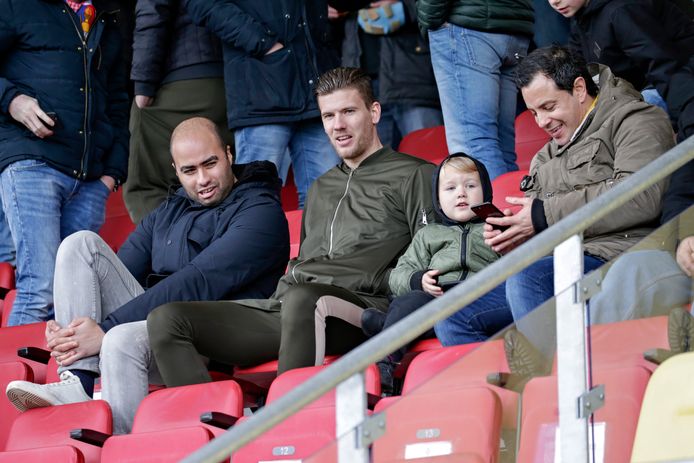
(588, 164)
(277, 84)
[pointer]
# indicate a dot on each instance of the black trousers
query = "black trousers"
(237, 334)
(401, 307)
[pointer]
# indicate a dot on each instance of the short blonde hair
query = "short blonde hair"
(460, 163)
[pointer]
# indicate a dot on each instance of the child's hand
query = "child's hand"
(429, 283)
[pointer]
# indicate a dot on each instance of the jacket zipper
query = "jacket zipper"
(82, 174)
(463, 251)
(332, 222)
(349, 179)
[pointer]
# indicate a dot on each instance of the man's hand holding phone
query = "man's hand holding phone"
(518, 227)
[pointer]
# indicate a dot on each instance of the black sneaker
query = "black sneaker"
(372, 321)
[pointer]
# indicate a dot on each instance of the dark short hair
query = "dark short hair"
(560, 64)
(344, 77)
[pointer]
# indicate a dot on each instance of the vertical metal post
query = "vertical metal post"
(350, 413)
(571, 349)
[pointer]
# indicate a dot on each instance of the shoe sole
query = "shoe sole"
(23, 400)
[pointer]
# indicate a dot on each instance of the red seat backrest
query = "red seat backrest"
(14, 337)
(294, 220)
(429, 144)
(529, 139)
(177, 407)
(162, 446)
(50, 426)
(623, 343)
(508, 184)
(624, 391)
(304, 432)
(7, 304)
(7, 280)
(61, 454)
(10, 371)
(289, 195)
(118, 225)
(451, 424)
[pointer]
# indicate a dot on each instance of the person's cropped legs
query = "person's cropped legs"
(477, 321)
(150, 173)
(470, 69)
(298, 349)
(90, 281)
(312, 155)
(7, 253)
(530, 287)
(640, 284)
(224, 331)
(43, 206)
(127, 368)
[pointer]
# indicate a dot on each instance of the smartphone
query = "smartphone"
(54, 118)
(485, 210)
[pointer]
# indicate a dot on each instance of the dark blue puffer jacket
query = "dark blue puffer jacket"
(43, 54)
(237, 249)
(275, 88)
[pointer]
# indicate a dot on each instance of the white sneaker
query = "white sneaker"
(25, 395)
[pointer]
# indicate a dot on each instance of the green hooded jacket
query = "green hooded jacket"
(455, 249)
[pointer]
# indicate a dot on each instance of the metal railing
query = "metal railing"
(442, 307)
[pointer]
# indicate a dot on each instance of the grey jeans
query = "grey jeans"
(90, 281)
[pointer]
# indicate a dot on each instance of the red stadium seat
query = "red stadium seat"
(51, 426)
(305, 432)
(289, 195)
(118, 224)
(178, 407)
(153, 447)
(15, 337)
(429, 144)
(10, 371)
(508, 184)
(294, 220)
(458, 424)
(615, 422)
(624, 343)
(7, 306)
(529, 139)
(61, 453)
(7, 281)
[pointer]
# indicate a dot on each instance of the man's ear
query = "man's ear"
(580, 89)
(173, 165)
(230, 156)
(375, 112)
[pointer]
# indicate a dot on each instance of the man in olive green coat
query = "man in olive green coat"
(359, 218)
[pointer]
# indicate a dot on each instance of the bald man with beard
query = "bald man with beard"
(222, 235)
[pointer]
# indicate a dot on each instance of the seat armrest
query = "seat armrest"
(89, 436)
(34, 353)
(218, 419)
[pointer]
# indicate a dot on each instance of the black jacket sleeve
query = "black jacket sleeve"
(647, 43)
(232, 25)
(153, 26)
(249, 248)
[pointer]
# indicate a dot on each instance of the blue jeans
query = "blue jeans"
(474, 74)
(43, 206)
(6, 245)
(529, 288)
(304, 141)
(477, 321)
